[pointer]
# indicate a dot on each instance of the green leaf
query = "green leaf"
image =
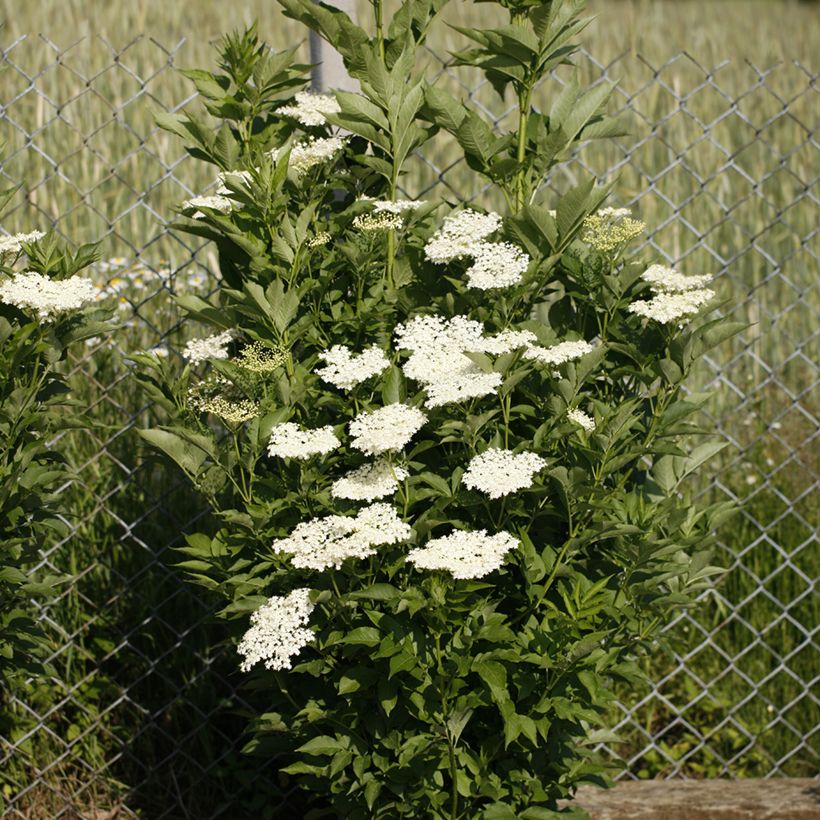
(188, 455)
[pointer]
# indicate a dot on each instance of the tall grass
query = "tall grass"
(140, 707)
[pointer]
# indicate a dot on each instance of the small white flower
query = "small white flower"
(311, 109)
(326, 542)
(438, 357)
(369, 482)
(580, 418)
(498, 472)
(464, 554)
(321, 238)
(345, 370)
(288, 440)
(373, 222)
(393, 206)
(459, 235)
(47, 297)
(672, 307)
(278, 631)
(496, 265)
(304, 155)
(211, 347)
(388, 428)
(668, 280)
(558, 354)
(11, 244)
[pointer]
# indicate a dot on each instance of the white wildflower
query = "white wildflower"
(321, 238)
(233, 411)
(672, 307)
(304, 155)
(11, 244)
(496, 265)
(393, 206)
(498, 472)
(215, 203)
(370, 223)
(345, 370)
(464, 554)
(288, 440)
(47, 297)
(311, 109)
(558, 354)
(668, 280)
(389, 428)
(369, 482)
(610, 228)
(459, 235)
(278, 631)
(438, 357)
(507, 341)
(582, 419)
(326, 542)
(615, 213)
(211, 347)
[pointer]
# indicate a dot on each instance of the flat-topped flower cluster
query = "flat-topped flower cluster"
(47, 298)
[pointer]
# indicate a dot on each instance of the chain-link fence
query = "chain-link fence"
(140, 712)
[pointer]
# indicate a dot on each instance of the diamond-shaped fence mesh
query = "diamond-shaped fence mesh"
(142, 709)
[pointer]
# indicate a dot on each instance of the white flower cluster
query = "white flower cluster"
(668, 280)
(558, 354)
(305, 155)
(610, 228)
(676, 296)
(326, 542)
(278, 631)
(393, 206)
(438, 357)
(369, 482)
(496, 265)
(464, 554)
(615, 213)
(497, 472)
(47, 297)
(459, 235)
(672, 307)
(385, 221)
(387, 214)
(321, 238)
(389, 428)
(211, 347)
(582, 419)
(215, 203)
(311, 109)
(288, 440)
(345, 370)
(11, 244)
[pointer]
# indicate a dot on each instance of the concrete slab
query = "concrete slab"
(775, 799)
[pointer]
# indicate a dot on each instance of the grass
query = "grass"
(144, 703)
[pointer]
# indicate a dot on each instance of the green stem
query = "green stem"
(391, 234)
(451, 750)
(521, 152)
(377, 6)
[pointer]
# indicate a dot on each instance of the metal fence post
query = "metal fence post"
(329, 71)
